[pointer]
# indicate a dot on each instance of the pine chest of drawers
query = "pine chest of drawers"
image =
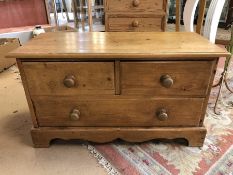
(104, 86)
(135, 15)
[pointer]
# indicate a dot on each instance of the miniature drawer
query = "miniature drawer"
(135, 24)
(135, 5)
(171, 78)
(74, 111)
(69, 78)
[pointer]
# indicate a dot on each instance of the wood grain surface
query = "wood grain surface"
(103, 86)
(148, 15)
(47, 78)
(98, 111)
(134, 5)
(42, 136)
(143, 78)
(119, 45)
(118, 24)
(27, 93)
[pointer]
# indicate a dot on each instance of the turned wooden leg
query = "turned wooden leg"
(178, 15)
(201, 14)
(90, 22)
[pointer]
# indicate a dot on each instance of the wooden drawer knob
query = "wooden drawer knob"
(75, 114)
(162, 114)
(69, 81)
(135, 23)
(136, 3)
(166, 81)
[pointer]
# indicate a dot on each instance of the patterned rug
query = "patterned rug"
(150, 158)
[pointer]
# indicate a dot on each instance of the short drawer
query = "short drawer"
(171, 78)
(135, 5)
(71, 111)
(135, 24)
(69, 78)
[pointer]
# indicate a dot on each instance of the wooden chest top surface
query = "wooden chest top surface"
(119, 45)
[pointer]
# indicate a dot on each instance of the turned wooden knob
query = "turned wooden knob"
(135, 23)
(166, 81)
(69, 81)
(136, 3)
(75, 114)
(162, 114)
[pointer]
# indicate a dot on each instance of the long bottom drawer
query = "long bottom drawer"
(72, 111)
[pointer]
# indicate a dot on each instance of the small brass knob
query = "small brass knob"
(75, 114)
(69, 81)
(166, 81)
(135, 23)
(162, 114)
(136, 3)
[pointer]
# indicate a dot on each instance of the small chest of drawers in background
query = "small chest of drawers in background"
(135, 15)
(135, 86)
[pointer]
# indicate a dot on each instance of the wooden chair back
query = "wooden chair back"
(188, 15)
(211, 21)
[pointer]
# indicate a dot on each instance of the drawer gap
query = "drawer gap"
(117, 78)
